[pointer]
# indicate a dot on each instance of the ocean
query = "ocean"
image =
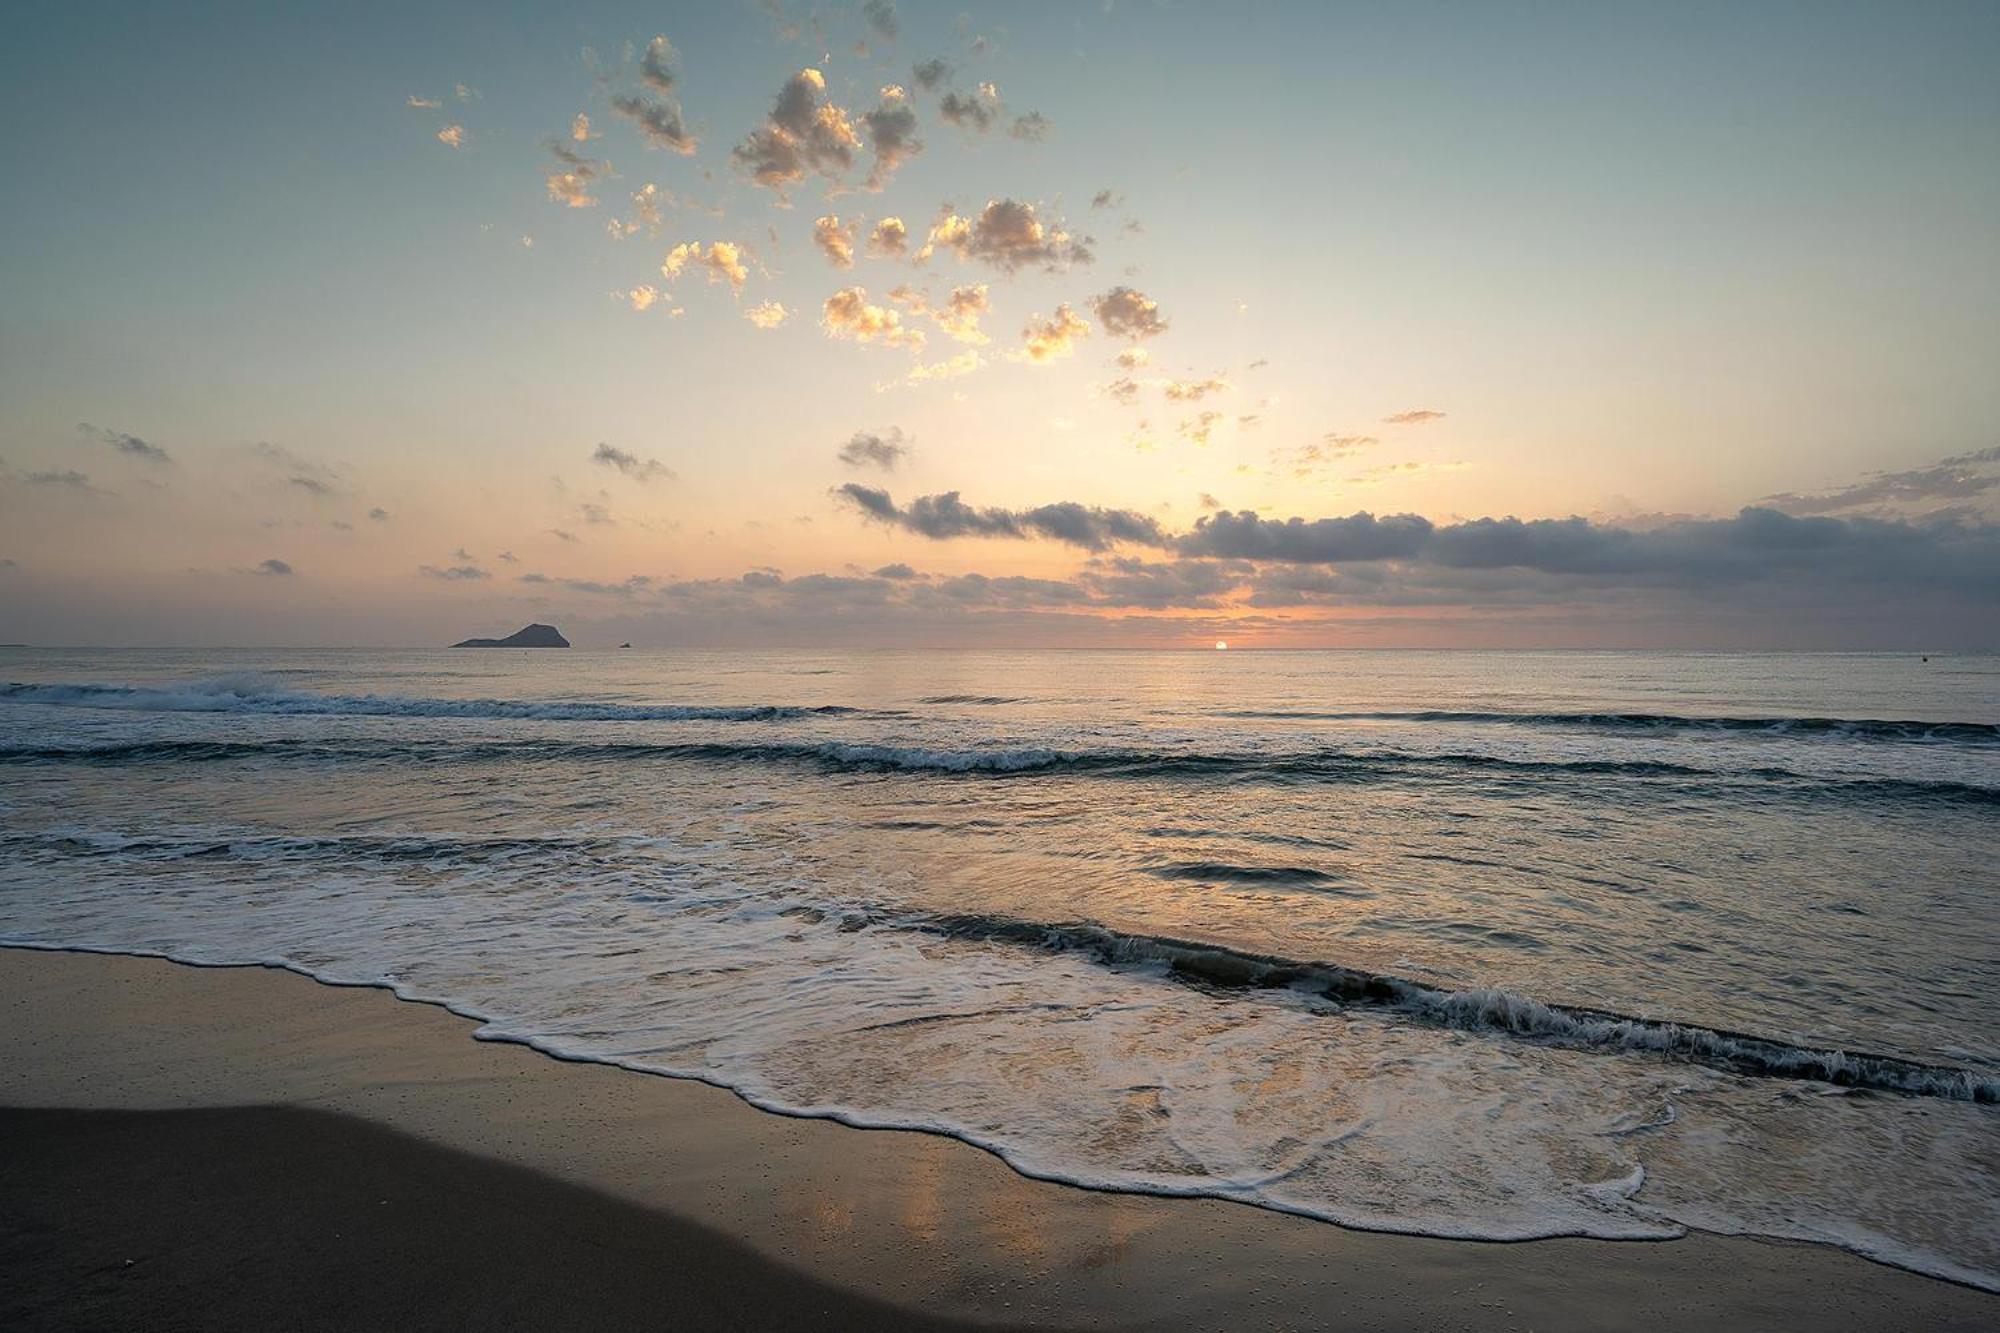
(1495, 945)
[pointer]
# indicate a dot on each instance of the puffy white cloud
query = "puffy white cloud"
(958, 316)
(889, 238)
(848, 314)
(1127, 313)
(1046, 340)
(453, 136)
(656, 64)
(768, 315)
(721, 260)
(892, 135)
(1008, 235)
(835, 241)
(805, 132)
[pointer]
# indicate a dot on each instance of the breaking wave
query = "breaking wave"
(1489, 1011)
(1322, 765)
(1863, 729)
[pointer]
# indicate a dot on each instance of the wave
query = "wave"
(992, 700)
(1326, 766)
(257, 694)
(1200, 963)
(1865, 729)
(1486, 1011)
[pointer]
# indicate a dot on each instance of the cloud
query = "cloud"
(656, 64)
(1414, 417)
(1008, 235)
(881, 16)
(579, 129)
(422, 103)
(892, 135)
(721, 260)
(643, 296)
(890, 238)
(1045, 340)
(898, 571)
(1106, 199)
(1134, 357)
(1966, 479)
(1313, 457)
(275, 567)
(659, 120)
(571, 181)
(1126, 313)
(630, 464)
(805, 132)
(768, 315)
(958, 316)
(1475, 559)
(453, 136)
(975, 111)
(300, 472)
(1193, 391)
(465, 92)
(882, 451)
(834, 241)
(69, 478)
(1200, 426)
(454, 573)
(951, 368)
(1362, 536)
(928, 74)
(848, 314)
(1034, 127)
(378, 514)
(945, 516)
(647, 204)
(1124, 390)
(130, 445)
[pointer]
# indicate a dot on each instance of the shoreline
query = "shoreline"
(897, 1218)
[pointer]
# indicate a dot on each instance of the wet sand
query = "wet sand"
(224, 1148)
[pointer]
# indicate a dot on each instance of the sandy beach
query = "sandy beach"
(217, 1148)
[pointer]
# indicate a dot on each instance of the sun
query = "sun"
(1221, 647)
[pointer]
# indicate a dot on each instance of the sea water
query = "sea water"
(1485, 945)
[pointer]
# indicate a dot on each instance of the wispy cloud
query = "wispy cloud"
(129, 445)
(630, 464)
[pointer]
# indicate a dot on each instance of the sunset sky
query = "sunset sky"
(1124, 323)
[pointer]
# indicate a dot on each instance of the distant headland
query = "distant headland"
(532, 636)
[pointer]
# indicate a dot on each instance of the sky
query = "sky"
(757, 323)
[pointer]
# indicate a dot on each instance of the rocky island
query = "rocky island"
(531, 636)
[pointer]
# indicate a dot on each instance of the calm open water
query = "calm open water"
(1495, 945)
